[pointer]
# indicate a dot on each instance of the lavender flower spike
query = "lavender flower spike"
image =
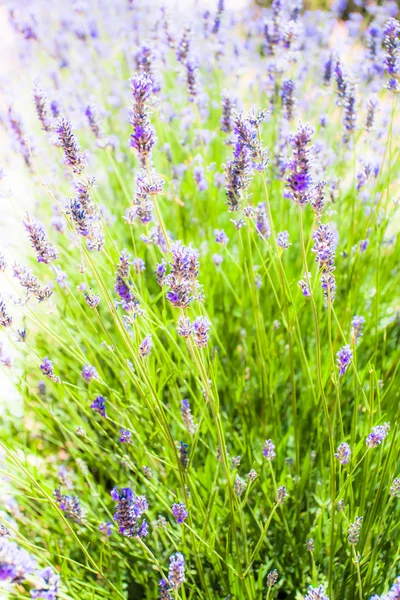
(143, 136)
(377, 435)
(45, 252)
(344, 358)
(73, 155)
(269, 450)
(47, 369)
(343, 453)
(176, 573)
(316, 594)
(201, 327)
(5, 318)
(180, 512)
(129, 512)
(299, 182)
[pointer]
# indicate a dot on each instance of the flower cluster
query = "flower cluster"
(129, 512)
(70, 506)
(377, 435)
(143, 136)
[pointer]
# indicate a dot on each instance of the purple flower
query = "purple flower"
(353, 535)
(142, 205)
(129, 512)
(184, 327)
(31, 283)
(15, 564)
(324, 247)
(281, 494)
(144, 64)
(288, 99)
(180, 513)
(73, 155)
(269, 450)
(372, 105)
(91, 115)
(228, 103)
(328, 70)
(201, 327)
(395, 488)
(221, 237)
(19, 136)
(343, 453)
(341, 82)
(282, 239)
(49, 585)
(392, 44)
(89, 373)
(47, 369)
(272, 578)
(262, 222)
(183, 454)
(125, 436)
(192, 79)
(217, 259)
(92, 300)
(357, 325)
(4, 532)
(164, 590)
(187, 416)
(201, 181)
(377, 435)
(343, 359)
(349, 113)
(122, 286)
(99, 405)
(42, 108)
(316, 594)
(318, 199)
(184, 269)
(5, 318)
(143, 136)
(176, 573)
(299, 183)
(183, 47)
(145, 346)
(70, 506)
(106, 528)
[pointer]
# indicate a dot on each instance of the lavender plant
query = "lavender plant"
(204, 327)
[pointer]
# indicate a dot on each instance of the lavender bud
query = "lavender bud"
(201, 327)
(269, 450)
(353, 535)
(343, 453)
(187, 416)
(47, 369)
(272, 578)
(395, 488)
(343, 359)
(377, 435)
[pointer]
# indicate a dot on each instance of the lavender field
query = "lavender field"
(199, 301)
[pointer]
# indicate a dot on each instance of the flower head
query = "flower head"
(73, 155)
(343, 453)
(343, 359)
(129, 512)
(180, 512)
(99, 405)
(269, 450)
(176, 573)
(377, 435)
